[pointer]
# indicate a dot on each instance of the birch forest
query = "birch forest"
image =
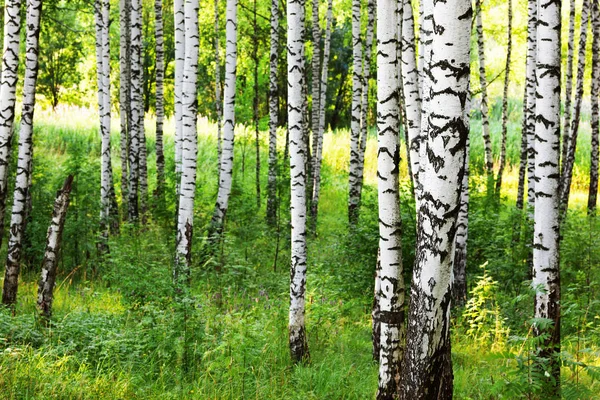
(300, 199)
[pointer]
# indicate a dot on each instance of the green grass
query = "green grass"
(118, 334)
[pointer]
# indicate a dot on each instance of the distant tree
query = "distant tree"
(566, 130)
(356, 114)
(273, 114)
(137, 108)
(124, 93)
(487, 141)
(160, 100)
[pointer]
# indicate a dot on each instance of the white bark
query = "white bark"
(178, 9)
(485, 123)
(189, 142)
(546, 274)
(218, 100)
(532, 7)
(355, 122)
(24, 164)
(124, 92)
(8, 89)
(137, 109)
(160, 102)
(226, 171)
(296, 66)
(391, 282)
(273, 114)
(427, 371)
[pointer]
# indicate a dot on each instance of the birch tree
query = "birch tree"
(124, 92)
(273, 115)
(179, 18)
(226, 171)
(568, 82)
(8, 89)
(427, 368)
(160, 102)
(593, 189)
(137, 117)
(485, 123)
(318, 156)
(391, 282)
(53, 244)
(24, 164)
(356, 113)
(189, 143)
(569, 160)
(532, 7)
(218, 101)
(546, 273)
(505, 100)
(459, 288)
(316, 90)
(295, 73)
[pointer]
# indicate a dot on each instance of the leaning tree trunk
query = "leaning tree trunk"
(568, 84)
(364, 108)
(391, 293)
(137, 109)
(178, 9)
(489, 162)
(546, 268)
(124, 91)
(355, 122)
(531, 99)
(218, 100)
(8, 91)
(273, 115)
(410, 88)
(24, 164)
(569, 161)
(53, 243)
(226, 172)
(296, 66)
(427, 369)
(593, 190)
(505, 101)
(318, 156)
(189, 145)
(160, 101)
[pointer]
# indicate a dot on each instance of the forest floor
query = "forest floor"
(116, 332)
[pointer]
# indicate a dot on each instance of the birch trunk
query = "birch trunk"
(178, 9)
(505, 100)
(569, 161)
(124, 92)
(356, 114)
(296, 66)
(410, 88)
(137, 119)
(391, 294)
(593, 189)
(189, 144)
(427, 372)
(459, 288)
(316, 84)
(24, 164)
(225, 175)
(8, 89)
(532, 6)
(318, 156)
(485, 123)
(218, 100)
(160, 101)
(273, 115)
(51, 254)
(568, 84)
(546, 272)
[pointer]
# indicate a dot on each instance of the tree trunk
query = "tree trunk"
(189, 145)
(318, 156)
(137, 117)
(53, 243)
(160, 101)
(8, 90)
(356, 114)
(485, 123)
(178, 9)
(410, 88)
(569, 161)
(296, 66)
(124, 91)
(24, 164)
(226, 172)
(391, 293)
(459, 289)
(427, 370)
(532, 6)
(546, 272)
(568, 84)
(593, 190)
(505, 101)
(218, 100)
(273, 114)
(316, 93)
